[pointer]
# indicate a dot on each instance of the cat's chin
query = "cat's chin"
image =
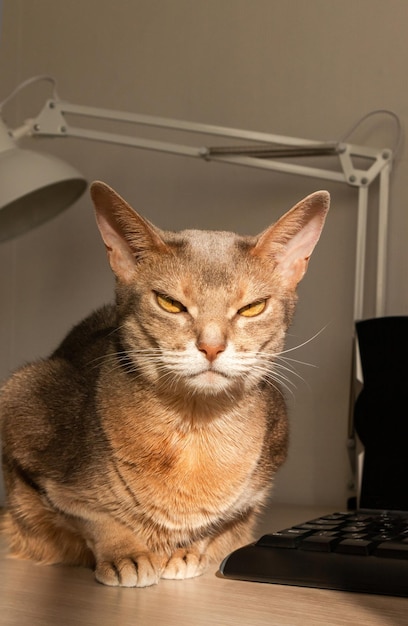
(211, 383)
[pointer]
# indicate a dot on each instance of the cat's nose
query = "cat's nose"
(211, 352)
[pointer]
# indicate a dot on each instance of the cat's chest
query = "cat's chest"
(206, 467)
(203, 452)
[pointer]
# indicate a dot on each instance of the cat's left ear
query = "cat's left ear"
(291, 240)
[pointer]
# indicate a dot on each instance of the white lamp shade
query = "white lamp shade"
(34, 187)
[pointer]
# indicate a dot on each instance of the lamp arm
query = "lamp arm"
(54, 111)
(52, 122)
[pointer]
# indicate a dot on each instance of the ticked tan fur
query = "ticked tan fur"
(146, 444)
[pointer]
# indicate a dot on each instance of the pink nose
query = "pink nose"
(211, 352)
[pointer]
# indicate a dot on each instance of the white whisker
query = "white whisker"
(172, 368)
(305, 342)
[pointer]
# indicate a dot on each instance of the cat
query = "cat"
(146, 444)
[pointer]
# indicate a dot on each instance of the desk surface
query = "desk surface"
(64, 596)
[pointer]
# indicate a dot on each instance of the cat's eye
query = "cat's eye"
(169, 305)
(253, 309)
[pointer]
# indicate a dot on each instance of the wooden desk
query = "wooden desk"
(33, 595)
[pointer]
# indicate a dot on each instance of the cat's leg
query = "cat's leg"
(194, 560)
(121, 558)
(51, 530)
(36, 531)
(187, 562)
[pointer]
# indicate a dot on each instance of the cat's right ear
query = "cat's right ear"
(128, 237)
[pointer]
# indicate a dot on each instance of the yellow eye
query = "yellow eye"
(169, 305)
(253, 309)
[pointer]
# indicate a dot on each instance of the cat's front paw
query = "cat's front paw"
(142, 570)
(185, 563)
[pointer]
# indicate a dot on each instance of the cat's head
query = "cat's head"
(206, 310)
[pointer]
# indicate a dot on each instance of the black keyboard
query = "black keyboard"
(361, 551)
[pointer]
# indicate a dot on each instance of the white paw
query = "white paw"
(185, 564)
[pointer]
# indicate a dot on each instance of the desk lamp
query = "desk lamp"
(33, 187)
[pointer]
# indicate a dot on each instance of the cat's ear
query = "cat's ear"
(291, 240)
(128, 237)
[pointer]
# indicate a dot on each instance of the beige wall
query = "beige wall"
(306, 68)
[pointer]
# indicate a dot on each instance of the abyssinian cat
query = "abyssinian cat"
(146, 444)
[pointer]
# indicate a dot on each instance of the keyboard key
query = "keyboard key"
(283, 539)
(355, 535)
(355, 546)
(360, 517)
(319, 543)
(383, 537)
(336, 517)
(322, 521)
(355, 528)
(312, 526)
(392, 549)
